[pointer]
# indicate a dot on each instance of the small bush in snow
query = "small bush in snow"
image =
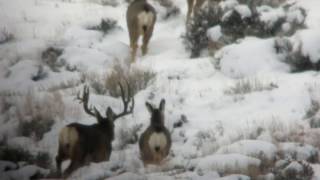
(295, 170)
(15, 154)
(294, 56)
(96, 81)
(128, 136)
(6, 36)
(5, 104)
(109, 2)
(50, 57)
(37, 127)
(254, 3)
(105, 26)
(183, 120)
(37, 115)
(240, 21)
(172, 12)
(246, 86)
(18, 154)
(196, 38)
(138, 79)
(40, 75)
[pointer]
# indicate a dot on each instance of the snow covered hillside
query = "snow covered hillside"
(249, 108)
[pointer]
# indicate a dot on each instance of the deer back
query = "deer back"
(141, 17)
(155, 141)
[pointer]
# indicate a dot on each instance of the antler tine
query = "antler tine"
(85, 99)
(125, 100)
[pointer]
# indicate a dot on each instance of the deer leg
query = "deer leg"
(134, 46)
(190, 7)
(60, 158)
(146, 38)
(197, 6)
(77, 160)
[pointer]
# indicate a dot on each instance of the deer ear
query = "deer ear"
(162, 105)
(149, 107)
(110, 114)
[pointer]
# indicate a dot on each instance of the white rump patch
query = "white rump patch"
(145, 18)
(157, 140)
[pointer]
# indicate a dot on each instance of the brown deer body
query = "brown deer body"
(83, 144)
(141, 18)
(155, 141)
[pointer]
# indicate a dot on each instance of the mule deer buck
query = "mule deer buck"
(83, 144)
(155, 141)
(141, 17)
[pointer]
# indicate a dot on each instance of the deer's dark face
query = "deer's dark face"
(157, 115)
(106, 124)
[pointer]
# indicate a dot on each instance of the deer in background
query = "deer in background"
(83, 144)
(155, 141)
(195, 5)
(141, 17)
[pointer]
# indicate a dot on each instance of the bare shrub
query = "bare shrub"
(297, 170)
(254, 3)
(138, 79)
(129, 136)
(246, 86)
(181, 121)
(40, 74)
(37, 115)
(6, 36)
(62, 86)
(19, 154)
(96, 81)
(51, 58)
(105, 26)
(196, 38)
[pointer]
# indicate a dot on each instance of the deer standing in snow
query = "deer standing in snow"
(141, 17)
(90, 143)
(155, 141)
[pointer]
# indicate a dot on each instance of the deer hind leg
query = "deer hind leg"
(77, 160)
(190, 8)
(134, 46)
(146, 38)
(59, 159)
(197, 6)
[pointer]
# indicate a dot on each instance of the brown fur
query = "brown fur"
(83, 144)
(136, 28)
(149, 155)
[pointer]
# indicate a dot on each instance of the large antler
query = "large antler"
(85, 99)
(125, 100)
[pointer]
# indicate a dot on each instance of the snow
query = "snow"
(244, 11)
(250, 57)
(234, 177)
(228, 163)
(310, 39)
(214, 33)
(193, 87)
(264, 151)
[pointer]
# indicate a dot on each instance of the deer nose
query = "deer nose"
(157, 148)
